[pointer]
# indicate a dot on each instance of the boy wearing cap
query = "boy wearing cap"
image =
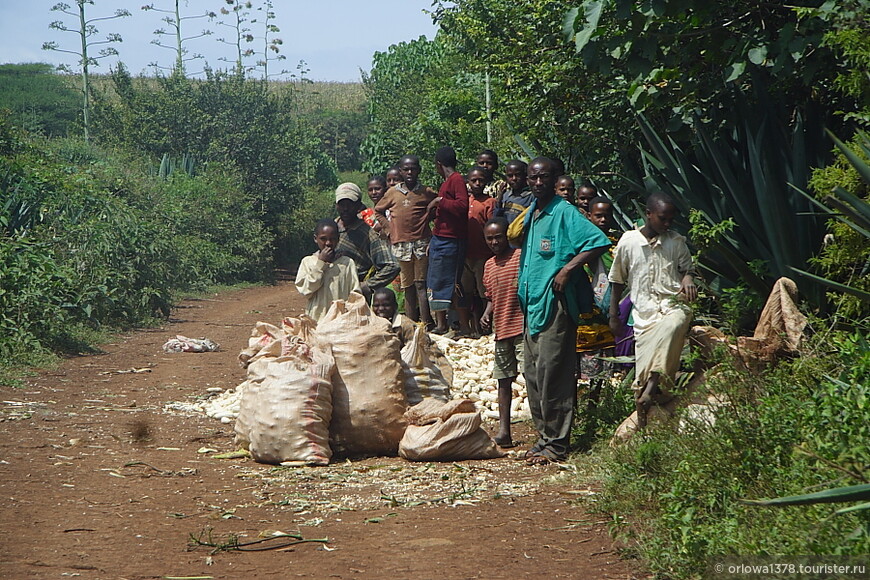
(376, 265)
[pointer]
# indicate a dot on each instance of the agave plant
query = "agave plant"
(833, 495)
(745, 169)
(168, 165)
(18, 212)
(849, 209)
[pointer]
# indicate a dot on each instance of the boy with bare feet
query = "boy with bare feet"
(656, 265)
(409, 232)
(504, 315)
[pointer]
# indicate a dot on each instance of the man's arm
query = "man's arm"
(688, 288)
(687, 269)
(309, 278)
(456, 203)
(381, 213)
(577, 261)
(485, 318)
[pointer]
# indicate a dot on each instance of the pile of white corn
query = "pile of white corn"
(471, 360)
(220, 404)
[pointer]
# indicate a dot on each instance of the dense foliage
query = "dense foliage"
(91, 238)
(421, 98)
(227, 120)
(547, 101)
(674, 492)
(39, 99)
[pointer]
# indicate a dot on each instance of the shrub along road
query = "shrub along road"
(97, 479)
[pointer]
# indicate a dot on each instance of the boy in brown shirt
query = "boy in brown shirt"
(409, 233)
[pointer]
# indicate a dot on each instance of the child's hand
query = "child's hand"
(326, 255)
(485, 320)
(688, 288)
(433, 204)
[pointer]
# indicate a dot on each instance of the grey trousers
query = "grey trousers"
(549, 370)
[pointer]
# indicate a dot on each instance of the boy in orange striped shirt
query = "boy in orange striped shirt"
(504, 315)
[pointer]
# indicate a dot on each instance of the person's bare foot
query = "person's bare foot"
(642, 406)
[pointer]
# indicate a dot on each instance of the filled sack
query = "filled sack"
(265, 341)
(423, 376)
(286, 403)
(451, 431)
(368, 394)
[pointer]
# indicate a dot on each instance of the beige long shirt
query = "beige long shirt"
(322, 282)
(653, 270)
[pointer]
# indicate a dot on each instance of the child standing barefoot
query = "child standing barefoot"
(656, 265)
(504, 315)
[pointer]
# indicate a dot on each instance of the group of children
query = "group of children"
(467, 260)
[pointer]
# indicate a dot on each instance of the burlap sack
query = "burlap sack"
(423, 377)
(265, 341)
(285, 415)
(368, 393)
(446, 432)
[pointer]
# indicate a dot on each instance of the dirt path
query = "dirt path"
(97, 480)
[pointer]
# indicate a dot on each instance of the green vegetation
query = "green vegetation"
(725, 106)
(86, 48)
(39, 99)
(421, 97)
(675, 492)
(92, 238)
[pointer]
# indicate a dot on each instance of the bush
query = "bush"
(791, 430)
(90, 238)
(296, 227)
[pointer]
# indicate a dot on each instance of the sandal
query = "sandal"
(538, 460)
(543, 457)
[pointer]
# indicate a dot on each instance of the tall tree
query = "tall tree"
(420, 98)
(236, 20)
(86, 30)
(175, 21)
(542, 93)
(271, 47)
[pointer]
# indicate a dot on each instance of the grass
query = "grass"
(673, 494)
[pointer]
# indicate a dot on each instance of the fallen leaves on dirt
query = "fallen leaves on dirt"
(375, 483)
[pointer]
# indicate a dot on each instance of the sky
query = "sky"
(335, 38)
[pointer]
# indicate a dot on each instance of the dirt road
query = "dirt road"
(98, 480)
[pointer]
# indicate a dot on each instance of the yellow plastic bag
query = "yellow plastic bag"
(515, 229)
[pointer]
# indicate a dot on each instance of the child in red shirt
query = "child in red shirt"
(504, 315)
(447, 247)
(477, 252)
